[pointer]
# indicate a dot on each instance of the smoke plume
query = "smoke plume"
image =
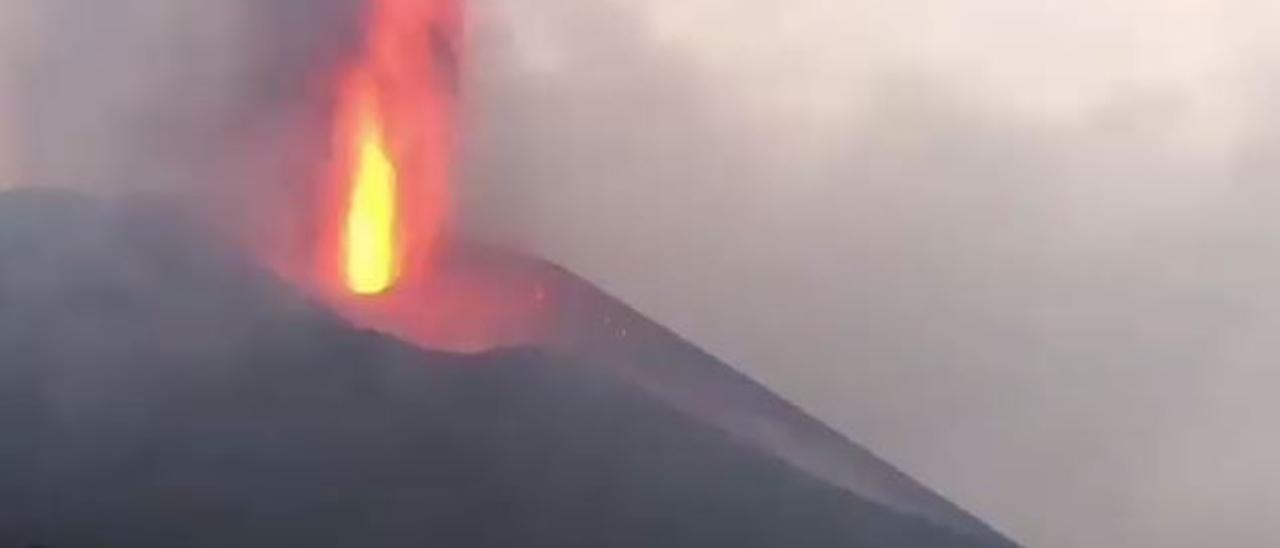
(1024, 250)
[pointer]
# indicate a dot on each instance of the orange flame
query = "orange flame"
(392, 141)
(370, 238)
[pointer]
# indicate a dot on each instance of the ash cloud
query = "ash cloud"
(219, 104)
(1026, 254)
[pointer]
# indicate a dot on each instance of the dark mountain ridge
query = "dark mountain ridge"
(159, 389)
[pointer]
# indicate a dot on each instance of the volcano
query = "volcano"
(159, 388)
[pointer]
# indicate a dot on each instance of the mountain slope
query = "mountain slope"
(480, 297)
(158, 390)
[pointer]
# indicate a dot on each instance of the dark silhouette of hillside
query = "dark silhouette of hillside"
(158, 389)
(484, 293)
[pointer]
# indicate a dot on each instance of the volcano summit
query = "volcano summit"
(159, 389)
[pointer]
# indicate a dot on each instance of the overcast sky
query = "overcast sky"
(1025, 249)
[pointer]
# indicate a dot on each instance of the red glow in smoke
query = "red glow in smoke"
(404, 82)
(445, 295)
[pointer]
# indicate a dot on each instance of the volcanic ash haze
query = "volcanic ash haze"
(1023, 249)
(13, 42)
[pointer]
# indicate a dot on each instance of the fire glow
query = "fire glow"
(378, 252)
(369, 246)
(392, 145)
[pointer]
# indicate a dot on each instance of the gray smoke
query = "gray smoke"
(1023, 250)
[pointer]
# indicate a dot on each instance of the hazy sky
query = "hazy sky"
(1025, 249)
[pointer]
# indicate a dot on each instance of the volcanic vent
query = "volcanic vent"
(158, 389)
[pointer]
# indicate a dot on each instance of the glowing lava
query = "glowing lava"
(370, 238)
(377, 251)
(393, 140)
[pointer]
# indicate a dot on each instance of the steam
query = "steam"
(13, 47)
(219, 103)
(96, 82)
(1024, 250)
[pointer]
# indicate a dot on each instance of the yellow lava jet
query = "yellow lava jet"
(387, 192)
(371, 224)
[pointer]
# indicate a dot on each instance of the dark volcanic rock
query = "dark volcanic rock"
(159, 390)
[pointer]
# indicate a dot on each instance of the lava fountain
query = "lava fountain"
(370, 241)
(384, 259)
(392, 144)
